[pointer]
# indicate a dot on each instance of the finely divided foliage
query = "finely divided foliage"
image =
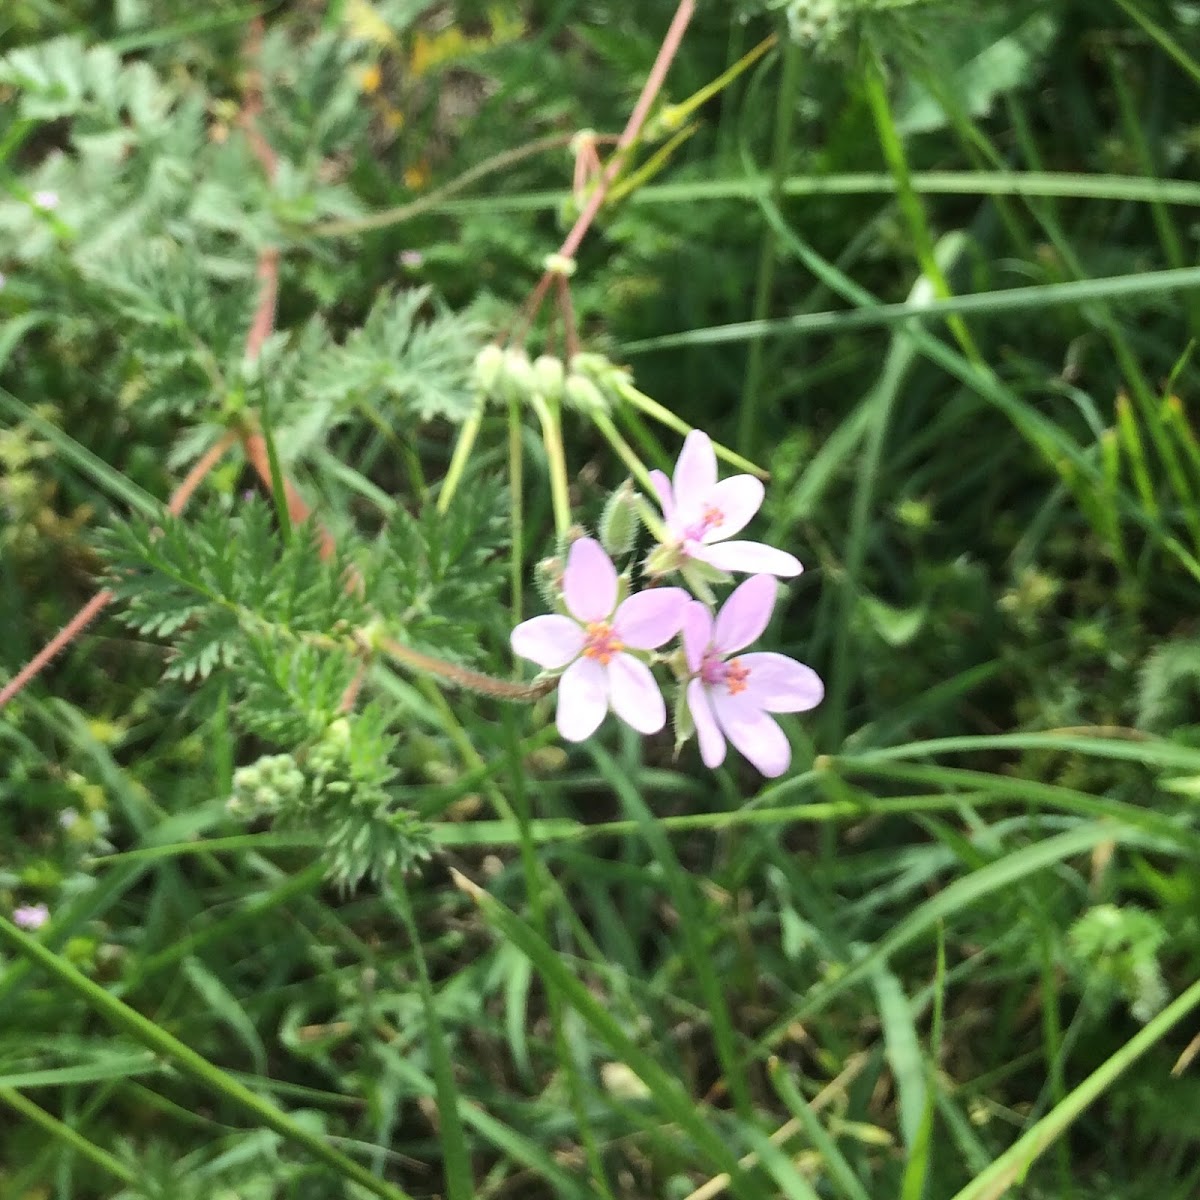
(426, 768)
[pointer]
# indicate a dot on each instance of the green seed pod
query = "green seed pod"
(548, 373)
(517, 380)
(620, 521)
(584, 395)
(594, 366)
(547, 578)
(489, 362)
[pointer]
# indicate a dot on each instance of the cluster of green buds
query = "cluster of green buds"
(588, 382)
(818, 24)
(266, 786)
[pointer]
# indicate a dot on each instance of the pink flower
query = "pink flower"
(701, 513)
(31, 916)
(46, 200)
(592, 643)
(731, 697)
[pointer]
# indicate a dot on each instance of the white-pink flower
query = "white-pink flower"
(701, 513)
(30, 916)
(593, 644)
(731, 697)
(46, 200)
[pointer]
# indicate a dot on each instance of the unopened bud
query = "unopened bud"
(685, 725)
(620, 521)
(548, 579)
(488, 364)
(548, 374)
(584, 395)
(517, 380)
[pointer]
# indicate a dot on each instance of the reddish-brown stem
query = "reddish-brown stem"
(463, 677)
(260, 329)
(571, 336)
(637, 118)
(633, 127)
(101, 600)
(255, 448)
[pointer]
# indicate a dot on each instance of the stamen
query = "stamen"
(731, 675)
(711, 518)
(602, 642)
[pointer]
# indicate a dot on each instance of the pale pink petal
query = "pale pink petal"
(697, 633)
(750, 557)
(582, 699)
(745, 614)
(708, 733)
(589, 582)
(777, 683)
(695, 471)
(635, 695)
(550, 641)
(651, 618)
(754, 734)
(662, 489)
(737, 499)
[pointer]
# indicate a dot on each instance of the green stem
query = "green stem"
(625, 451)
(77, 1142)
(785, 111)
(516, 496)
(455, 1156)
(130, 1021)
(458, 460)
(910, 202)
(557, 460)
(1016, 1160)
(664, 416)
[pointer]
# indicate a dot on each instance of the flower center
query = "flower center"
(711, 519)
(602, 642)
(731, 675)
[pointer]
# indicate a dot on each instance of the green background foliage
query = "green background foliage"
(931, 264)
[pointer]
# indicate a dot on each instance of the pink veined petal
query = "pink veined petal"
(634, 694)
(551, 641)
(745, 614)
(650, 619)
(755, 734)
(708, 732)
(589, 582)
(582, 699)
(777, 683)
(695, 471)
(737, 499)
(662, 489)
(749, 557)
(697, 633)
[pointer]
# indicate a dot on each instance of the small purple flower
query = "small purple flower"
(592, 643)
(46, 200)
(412, 259)
(730, 697)
(701, 513)
(30, 916)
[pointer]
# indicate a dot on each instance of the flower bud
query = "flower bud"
(685, 725)
(488, 364)
(517, 381)
(620, 521)
(548, 373)
(548, 579)
(584, 395)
